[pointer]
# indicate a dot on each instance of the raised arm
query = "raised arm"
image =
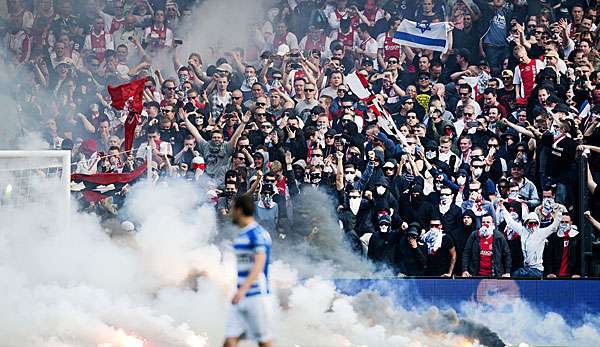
(191, 127)
(240, 129)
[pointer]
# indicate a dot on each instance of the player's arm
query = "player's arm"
(260, 258)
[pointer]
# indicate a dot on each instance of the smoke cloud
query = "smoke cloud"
(169, 285)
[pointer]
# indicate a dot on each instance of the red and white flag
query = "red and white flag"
(130, 97)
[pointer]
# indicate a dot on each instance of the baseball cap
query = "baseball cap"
(562, 108)
(507, 73)
(283, 49)
(551, 53)
(225, 67)
(388, 164)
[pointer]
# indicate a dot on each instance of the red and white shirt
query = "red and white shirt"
(389, 47)
(349, 39)
(525, 74)
(165, 35)
(485, 255)
(99, 43)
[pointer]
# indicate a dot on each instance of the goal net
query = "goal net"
(35, 181)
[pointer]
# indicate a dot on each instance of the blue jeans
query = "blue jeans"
(527, 272)
(496, 55)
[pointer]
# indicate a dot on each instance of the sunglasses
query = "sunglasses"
(261, 104)
(467, 114)
(424, 78)
(167, 110)
(309, 90)
(493, 145)
(464, 94)
(266, 126)
(170, 88)
(317, 155)
(392, 61)
(236, 97)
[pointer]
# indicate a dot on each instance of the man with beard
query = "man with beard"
(486, 252)
(440, 250)
(532, 239)
(216, 152)
(251, 312)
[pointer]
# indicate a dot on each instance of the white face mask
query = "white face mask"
(513, 195)
(445, 198)
(380, 190)
(562, 227)
(548, 202)
(477, 172)
(350, 177)
(429, 155)
(384, 228)
(486, 230)
(354, 204)
(439, 186)
(461, 180)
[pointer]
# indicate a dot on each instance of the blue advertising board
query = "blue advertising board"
(572, 299)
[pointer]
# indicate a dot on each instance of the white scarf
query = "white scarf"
(573, 231)
(433, 239)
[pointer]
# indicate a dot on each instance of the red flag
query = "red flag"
(102, 185)
(133, 118)
(129, 96)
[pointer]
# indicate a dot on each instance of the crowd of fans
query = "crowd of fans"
(480, 178)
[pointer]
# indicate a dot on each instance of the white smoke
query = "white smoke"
(79, 287)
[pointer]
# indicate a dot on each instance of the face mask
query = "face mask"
(384, 228)
(486, 230)
(267, 200)
(429, 155)
(548, 203)
(562, 227)
(354, 204)
(350, 177)
(439, 186)
(515, 216)
(513, 195)
(327, 169)
(436, 230)
(477, 172)
(315, 178)
(461, 180)
(251, 80)
(446, 198)
(380, 190)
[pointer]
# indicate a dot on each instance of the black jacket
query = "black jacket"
(382, 248)
(501, 260)
(555, 249)
(410, 261)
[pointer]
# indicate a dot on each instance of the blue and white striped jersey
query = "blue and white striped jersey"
(251, 240)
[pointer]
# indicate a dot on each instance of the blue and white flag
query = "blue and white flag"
(433, 36)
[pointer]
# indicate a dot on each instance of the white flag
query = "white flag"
(433, 36)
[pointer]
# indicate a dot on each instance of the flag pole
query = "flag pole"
(149, 162)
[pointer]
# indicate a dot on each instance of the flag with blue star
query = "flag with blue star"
(426, 35)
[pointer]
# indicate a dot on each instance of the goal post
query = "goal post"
(42, 177)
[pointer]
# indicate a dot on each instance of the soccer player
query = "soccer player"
(251, 312)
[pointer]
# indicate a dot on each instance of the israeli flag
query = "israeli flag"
(433, 36)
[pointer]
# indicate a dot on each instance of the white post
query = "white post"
(66, 180)
(149, 162)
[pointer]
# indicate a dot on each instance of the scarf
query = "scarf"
(565, 231)
(433, 240)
